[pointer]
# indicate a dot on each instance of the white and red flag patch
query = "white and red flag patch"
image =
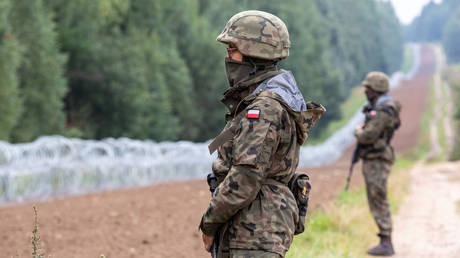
(253, 113)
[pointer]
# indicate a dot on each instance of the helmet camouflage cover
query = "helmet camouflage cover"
(377, 81)
(257, 34)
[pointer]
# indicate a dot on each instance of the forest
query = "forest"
(438, 22)
(152, 69)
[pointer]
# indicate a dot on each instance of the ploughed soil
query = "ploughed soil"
(162, 220)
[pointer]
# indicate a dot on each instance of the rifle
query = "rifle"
(212, 182)
(354, 159)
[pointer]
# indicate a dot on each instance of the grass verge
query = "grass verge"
(408, 59)
(338, 230)
(452, 76)
(424, 141)
(345, 228)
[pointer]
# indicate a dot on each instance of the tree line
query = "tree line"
(438, 22)
(151, 69)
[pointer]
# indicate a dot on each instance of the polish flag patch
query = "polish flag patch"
(253, 113)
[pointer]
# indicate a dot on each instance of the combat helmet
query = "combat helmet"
(377, 81)
(257, 34)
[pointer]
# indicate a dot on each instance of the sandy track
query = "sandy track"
(162, 220)
(429, 221)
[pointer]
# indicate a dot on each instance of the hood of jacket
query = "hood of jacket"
(283, 88)
(383, 100)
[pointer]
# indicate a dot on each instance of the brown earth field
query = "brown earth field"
(162, 220)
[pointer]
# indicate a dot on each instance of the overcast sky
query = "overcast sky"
(407, 10)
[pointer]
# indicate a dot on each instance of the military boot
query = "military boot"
(385, 248)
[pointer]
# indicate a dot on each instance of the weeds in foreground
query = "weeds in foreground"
(37, 250)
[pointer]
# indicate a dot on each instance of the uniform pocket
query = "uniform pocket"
(269, 220)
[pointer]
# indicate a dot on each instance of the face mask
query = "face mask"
(237, 71)
(371, 95)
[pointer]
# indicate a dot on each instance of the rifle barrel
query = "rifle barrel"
(350, 172)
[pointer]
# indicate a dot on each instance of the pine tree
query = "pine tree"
(42, 85)
(451, 38)
(10, 56)
(171, 64)
(391, 37)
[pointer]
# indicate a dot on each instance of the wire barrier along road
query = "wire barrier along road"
(55, 166)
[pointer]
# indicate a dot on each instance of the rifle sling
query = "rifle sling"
(226, 135)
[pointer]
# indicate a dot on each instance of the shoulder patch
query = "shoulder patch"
(373, 113)
(253, 113)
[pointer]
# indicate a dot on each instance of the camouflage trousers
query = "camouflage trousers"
(226, 252)
(238, 253)
(376, 173)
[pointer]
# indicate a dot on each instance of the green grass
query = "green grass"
(455, 154)
(345, 228)
(453, 79)
(408, 59)
(433, 104)
(442, 141)
(424, 141)
(339, 230)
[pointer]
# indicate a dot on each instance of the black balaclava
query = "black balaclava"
(239, 72)
(242, 74)
(372, 95)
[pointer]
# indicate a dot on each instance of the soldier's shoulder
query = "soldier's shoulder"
(267, 108)
(267, 103)
(380, 113)
(391, 108)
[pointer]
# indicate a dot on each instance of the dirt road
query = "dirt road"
(429, 221)
(162, 220)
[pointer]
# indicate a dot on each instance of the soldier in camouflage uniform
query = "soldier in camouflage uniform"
(382, 119)
(253, 209)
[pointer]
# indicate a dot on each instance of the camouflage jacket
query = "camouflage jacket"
(382, 119)
(252, 200)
